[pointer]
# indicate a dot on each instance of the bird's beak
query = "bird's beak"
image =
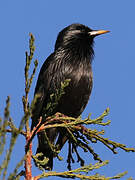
(98, 32)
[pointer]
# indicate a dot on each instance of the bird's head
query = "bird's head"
(77, 35)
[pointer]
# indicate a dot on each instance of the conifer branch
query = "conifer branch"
(80, 136)
(27, 109)
(76, 173)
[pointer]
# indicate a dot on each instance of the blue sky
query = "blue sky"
(113, 65)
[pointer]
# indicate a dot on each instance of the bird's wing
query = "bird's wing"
(42, 89)
(52, 73)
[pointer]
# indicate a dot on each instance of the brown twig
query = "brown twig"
(28, 165)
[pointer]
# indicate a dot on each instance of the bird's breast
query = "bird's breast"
(77, 93)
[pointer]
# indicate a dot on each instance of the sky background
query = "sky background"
(113, 66)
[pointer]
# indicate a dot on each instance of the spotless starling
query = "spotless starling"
(71, 59)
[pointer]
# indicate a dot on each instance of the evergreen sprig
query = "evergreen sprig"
(76, 173)
(81, 136)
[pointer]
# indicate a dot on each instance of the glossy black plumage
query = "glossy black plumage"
(72, 60)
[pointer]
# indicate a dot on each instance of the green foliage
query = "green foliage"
(79, 135)
(54, 98)
(40, 163)
(76, 173)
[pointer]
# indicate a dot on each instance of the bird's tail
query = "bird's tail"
(45, 149)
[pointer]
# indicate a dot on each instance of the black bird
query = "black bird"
(71, 59)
